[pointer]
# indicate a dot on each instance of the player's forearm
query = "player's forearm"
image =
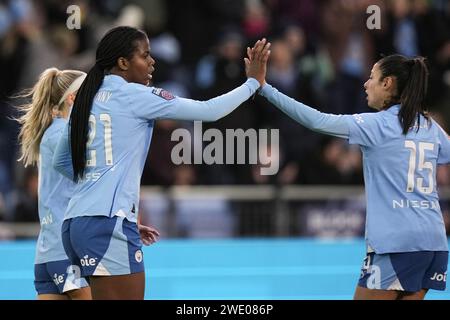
(216, 108)
(62, 160)
(330, 124)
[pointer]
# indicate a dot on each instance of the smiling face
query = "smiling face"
(378, 90)
(140, 67)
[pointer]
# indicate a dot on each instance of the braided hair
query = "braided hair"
(118, 42)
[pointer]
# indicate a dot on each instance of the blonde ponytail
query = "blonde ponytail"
(37, 115)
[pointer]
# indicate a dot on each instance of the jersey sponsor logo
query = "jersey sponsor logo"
(163, 94)
(138, 256)
(439, 277)
(419, 204)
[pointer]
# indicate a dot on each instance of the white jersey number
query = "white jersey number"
(106, 120)
(423, 165)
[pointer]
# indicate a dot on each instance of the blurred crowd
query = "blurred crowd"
(322, 53)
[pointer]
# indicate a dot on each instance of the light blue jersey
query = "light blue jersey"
(403, 212)
(121, 125)
(54, 194)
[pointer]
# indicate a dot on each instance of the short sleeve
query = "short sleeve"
(366, 129)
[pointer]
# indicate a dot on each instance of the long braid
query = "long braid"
(118, 42)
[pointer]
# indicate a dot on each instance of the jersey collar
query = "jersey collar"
(59, 119)
(115, 79)
(394, 109)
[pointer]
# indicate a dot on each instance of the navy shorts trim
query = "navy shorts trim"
(103, 246)
(405, 271)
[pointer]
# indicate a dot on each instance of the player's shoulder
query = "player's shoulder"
(162, 93)
(151, 92)
(56, 128)
(53, 133)
(437, 130)
(432, 123)
(367, 117)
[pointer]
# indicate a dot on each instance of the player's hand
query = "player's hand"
(256, 61)
(149, 235)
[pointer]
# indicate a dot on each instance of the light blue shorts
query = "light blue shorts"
(103, 246)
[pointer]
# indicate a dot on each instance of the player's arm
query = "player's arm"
(154, 103)
(62, 158)
(335, 125)
(218, 107)
(215, 108)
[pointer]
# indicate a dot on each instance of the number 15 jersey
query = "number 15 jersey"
(403, 211)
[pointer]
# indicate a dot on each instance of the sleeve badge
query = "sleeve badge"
(166, 95)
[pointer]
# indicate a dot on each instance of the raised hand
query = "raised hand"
(256, 62)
